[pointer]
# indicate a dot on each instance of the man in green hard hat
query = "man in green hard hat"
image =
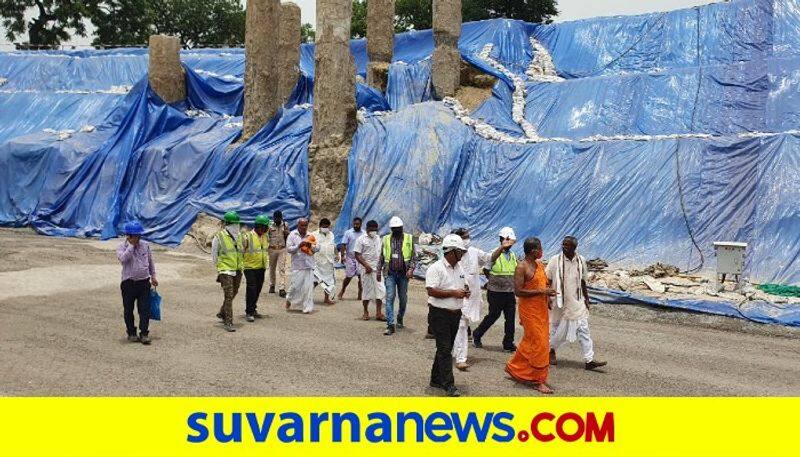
(256, 258)
(226, 254)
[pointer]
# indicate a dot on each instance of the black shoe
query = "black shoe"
(257, 315)
(511, 348)
(594, 364)
(453, 392)
(476, 341)
(272, 289)
(133, 339)
(400, 325)
(436, 385)
(282, 293)
(145, 339)
(220, 317)
(389, 330)
(250, 318)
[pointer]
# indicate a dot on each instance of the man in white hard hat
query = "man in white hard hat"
(397, 264)
(500, 291)
(447, 288)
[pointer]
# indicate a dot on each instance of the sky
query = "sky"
(569, 10)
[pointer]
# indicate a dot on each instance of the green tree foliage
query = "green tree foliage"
(358, 23)
(124, 22)
(307, 33)
(51, 21)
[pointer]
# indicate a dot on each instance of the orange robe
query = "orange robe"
(531, 361)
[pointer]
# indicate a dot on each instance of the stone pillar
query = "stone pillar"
(446, 65)
(380, 41)
(167, 76)
(288, 50)
(334, 107)
(260, 76)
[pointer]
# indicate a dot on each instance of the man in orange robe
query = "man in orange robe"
(531, 362)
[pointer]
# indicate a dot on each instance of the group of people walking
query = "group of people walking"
(553, 300)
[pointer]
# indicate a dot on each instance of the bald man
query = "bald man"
(301, 246)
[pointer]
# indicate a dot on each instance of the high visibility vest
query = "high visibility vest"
(408, 247)
(255, 255)
(505, 266)
(229, 252)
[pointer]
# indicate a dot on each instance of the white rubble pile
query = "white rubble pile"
(227, 78)
(541, 67)
(680, 286)
(66, 134)
(3, 81)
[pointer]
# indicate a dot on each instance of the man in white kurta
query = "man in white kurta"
(472, 263)
(326, 260)
(569, 317)
(368, 256)
(302, 249)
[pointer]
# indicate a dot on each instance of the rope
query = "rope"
(678, 161)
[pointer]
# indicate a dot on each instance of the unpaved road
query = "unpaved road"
(61, 333)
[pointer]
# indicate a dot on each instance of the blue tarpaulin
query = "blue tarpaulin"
(665, 127)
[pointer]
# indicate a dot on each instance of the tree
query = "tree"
(197, 22)
(307, 33)
(52, 21)
(526, 10)
(358, 22)
(413, 14)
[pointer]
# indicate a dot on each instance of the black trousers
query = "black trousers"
(444, 325)
(255, 282)
(136, 293)
(499, 303)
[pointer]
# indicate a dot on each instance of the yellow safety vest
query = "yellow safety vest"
(408, 247)
(229, 252)
(255, 255)
(505, 266)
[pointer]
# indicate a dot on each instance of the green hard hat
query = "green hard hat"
(231, 217)
(262, 219)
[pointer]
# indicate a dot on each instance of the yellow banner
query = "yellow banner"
(398, 426)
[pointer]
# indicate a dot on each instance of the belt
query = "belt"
(453, 311)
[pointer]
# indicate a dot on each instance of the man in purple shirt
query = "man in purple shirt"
(138, 272)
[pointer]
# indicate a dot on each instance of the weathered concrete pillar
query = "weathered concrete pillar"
(446, 65)
(334, 107)
(260, 77)
(380, 41)
(288, 50)
(167, 76)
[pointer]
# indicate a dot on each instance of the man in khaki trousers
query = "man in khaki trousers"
(278, 232)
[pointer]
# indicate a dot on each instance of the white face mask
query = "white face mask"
(324, 230)
(466, 242)
(372, 234)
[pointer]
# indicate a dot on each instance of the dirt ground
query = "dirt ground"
(61, 333)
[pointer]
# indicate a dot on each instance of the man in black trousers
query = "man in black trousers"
(447, 289)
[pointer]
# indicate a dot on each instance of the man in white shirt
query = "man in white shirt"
(326, 259)
(447, 288)
(569, 318)
(348, 255)
(368, 254)
(302, 248)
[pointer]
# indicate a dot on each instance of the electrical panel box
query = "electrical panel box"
(730, 257)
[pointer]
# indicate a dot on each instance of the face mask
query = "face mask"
(324, 230)
(372, 234)
(466, 242)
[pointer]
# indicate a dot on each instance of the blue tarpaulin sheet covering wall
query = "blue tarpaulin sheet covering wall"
(664, 125)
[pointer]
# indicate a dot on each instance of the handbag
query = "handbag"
(155, 305)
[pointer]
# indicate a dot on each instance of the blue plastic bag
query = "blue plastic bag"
(155, 305)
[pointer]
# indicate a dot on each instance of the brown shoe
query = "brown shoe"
(553, 360)
(594, 364)
(463, 366)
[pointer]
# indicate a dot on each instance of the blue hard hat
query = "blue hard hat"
(134, 228)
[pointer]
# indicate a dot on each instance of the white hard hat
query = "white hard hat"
(451, 242)
(508, 232)
(395, 222)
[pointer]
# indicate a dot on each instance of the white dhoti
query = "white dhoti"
(323, 274)
(567, 331)
(301, 291)
(470, 315)
(372, 288)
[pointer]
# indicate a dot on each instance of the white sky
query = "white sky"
(570, 10)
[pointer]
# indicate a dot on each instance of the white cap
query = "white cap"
(451, 242)
(395, 222)
(508, 232)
